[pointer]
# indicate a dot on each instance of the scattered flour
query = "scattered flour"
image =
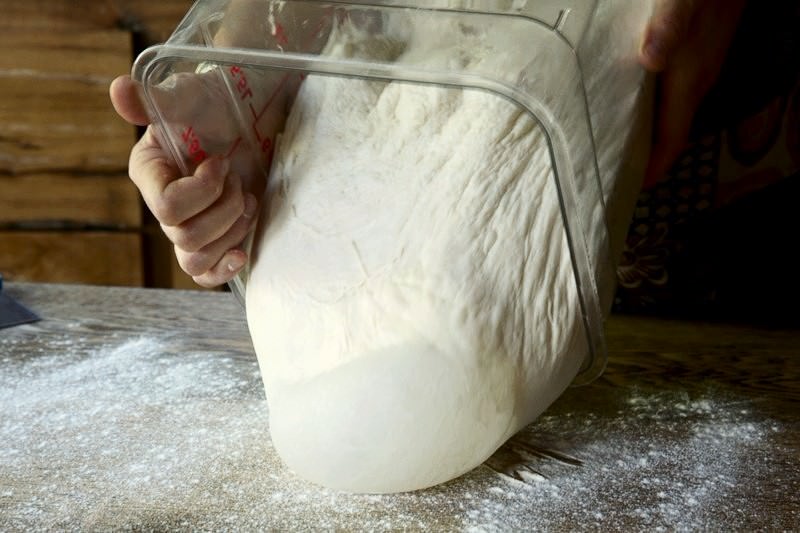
(143, 435)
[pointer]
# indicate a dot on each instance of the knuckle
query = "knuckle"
(209, 184)
(238, 208)
(241, 229)
(165, 209)
(236, 202)
(138, 151)
(237, 232)
(186, 239)
(233, 185)
(194, 264)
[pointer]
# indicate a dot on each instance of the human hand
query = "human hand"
(205, 215)
(686, 41)
(208, 213)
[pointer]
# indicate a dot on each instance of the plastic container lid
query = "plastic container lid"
(222, 83)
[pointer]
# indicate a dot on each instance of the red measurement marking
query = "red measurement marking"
(280, 35)
(246, 93)
(242, 85)
(234, 146)
(192, 143)
(272, 97)
(268, 148)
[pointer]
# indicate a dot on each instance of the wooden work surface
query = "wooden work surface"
(143, 409)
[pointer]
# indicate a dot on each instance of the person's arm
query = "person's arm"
(685, 42)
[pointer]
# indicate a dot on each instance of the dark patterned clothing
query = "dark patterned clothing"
(716, 239)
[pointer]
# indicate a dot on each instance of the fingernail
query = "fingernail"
(250, 205)
(235, 263)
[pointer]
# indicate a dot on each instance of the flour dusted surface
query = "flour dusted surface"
(143, 434)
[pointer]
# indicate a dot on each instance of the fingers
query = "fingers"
(205, 215)
(127, 101)
(673, 122)
(206, 245)
(216, 257)
(666, 31)
(227, 267)
(174, 200)
(151, 171)
(213, 222)
(694, 66)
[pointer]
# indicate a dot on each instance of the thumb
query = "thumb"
(127, 101)
(667, 28)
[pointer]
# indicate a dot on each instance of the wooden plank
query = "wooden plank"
(55, 114)
(99, 258)
(92, 57)
(90, 200)
(153, 20)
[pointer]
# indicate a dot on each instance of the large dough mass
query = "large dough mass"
(411, 299)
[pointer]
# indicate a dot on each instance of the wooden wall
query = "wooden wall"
(68, 212)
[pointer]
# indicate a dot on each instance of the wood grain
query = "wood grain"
(107, 258)
(202, 319)
(761, 361)
(55, 114)
(63, 150)
(49, 199)
(154, 20)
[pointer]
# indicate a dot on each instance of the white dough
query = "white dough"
(411, 298)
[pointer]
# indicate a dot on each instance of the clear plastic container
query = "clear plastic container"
(223, 82)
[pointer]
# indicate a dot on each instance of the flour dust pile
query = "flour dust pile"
(143, 435)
